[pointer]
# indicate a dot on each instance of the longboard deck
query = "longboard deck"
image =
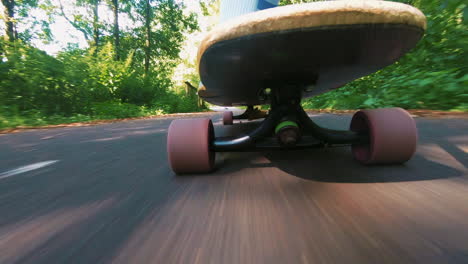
(314, 47)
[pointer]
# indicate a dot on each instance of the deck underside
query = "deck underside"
(314, 60)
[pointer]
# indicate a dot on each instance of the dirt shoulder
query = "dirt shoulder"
(413, 112)
(102, 121)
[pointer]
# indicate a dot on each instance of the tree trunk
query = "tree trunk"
(9, 14)
(96, 23)
(115, 8)
(148, 36)
(73, 23)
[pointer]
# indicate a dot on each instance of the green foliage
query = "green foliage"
(117, 110)
(11, 117)
(79, 85)
(31, 79)
(433, 76)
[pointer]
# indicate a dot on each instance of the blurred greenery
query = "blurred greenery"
(93, 83)
(129, 72)
(434, 75)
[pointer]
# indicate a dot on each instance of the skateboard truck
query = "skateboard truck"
(312, 135)
(298, 134)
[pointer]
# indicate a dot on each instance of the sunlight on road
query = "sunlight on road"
(436, 153)
(19, 239)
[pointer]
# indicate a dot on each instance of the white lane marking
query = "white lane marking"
(52, 136)
(26, 168)
(104, 139)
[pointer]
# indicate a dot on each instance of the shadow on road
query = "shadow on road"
(337, 165)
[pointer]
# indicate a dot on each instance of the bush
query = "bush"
(171, 102)
(32, 80)
(116, 110)
(432, 76)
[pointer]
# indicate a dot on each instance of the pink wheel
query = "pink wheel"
(227, 118)
(392, 136)
(188, 145)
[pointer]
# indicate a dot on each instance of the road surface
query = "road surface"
(105, 194)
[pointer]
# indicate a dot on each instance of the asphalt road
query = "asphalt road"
(105, 193)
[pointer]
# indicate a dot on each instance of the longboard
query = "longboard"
(281, 55)
(315, 47)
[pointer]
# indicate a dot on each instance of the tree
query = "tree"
(89, 28)
(164, 23)
(114, 4)
(118, 7)
(96, 33)
(148, 14)
(9, 16)
(12, 9)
